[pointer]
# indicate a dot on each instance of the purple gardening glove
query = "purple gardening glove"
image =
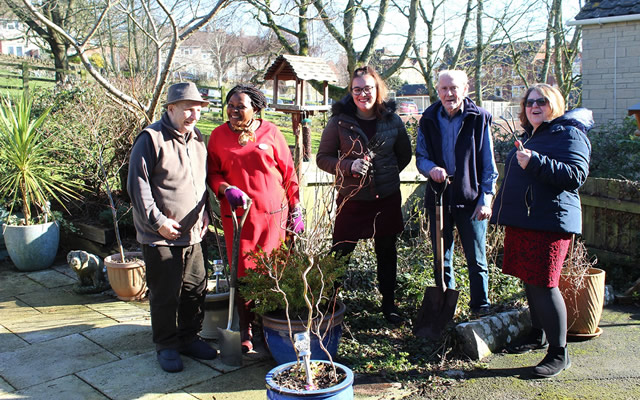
(236, 197)
(296, 220)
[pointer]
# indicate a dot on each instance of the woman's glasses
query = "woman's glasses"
(541, 102)
(359, 90)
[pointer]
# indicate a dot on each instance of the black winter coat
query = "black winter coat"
(343, 141)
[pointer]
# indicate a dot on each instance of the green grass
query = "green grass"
(211, 120)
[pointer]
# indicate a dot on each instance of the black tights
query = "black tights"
(387, 257)
(548, 312)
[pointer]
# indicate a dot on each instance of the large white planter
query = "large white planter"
(32, 247)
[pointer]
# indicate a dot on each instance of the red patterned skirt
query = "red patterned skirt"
(536, 257)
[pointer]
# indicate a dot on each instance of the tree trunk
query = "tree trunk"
(479, 51)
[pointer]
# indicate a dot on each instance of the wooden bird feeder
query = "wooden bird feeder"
(300, 69)
(635, 110)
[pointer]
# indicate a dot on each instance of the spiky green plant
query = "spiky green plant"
(32, 170)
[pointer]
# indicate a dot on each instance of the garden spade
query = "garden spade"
(439, 303)
(230, 342)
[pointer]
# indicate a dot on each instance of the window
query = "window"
(19, 51)
(499, 71)
(187, 51)
(517, 91)
(11, 51)
(498, 91)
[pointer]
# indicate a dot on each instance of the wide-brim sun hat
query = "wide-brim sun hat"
(184, 91)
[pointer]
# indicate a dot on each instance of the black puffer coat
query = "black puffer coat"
(343, 141)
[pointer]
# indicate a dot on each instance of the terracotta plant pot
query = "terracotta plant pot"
(584, 302)
(127, 279)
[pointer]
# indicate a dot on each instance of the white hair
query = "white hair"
(455, 74)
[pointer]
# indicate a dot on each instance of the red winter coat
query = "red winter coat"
(264, 170)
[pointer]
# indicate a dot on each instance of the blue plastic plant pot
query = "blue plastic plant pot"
(342, 391)
(276, 335)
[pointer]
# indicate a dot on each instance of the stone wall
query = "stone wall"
(611, 69)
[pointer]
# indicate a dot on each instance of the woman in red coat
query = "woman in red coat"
(249, 158)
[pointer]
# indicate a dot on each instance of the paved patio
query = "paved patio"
(55, 344)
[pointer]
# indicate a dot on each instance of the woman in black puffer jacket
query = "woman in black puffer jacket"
(365, 145)
(538, 202)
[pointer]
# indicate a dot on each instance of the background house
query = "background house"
(610, 57)
(13, 39)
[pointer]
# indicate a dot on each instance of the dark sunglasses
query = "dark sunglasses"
(540, 102)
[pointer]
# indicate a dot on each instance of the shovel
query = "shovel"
(230, 343)
(439, 303)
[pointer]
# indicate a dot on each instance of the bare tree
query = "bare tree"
(61, 13)
(164, 39)
(290, 23)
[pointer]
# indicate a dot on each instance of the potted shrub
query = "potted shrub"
(34, 171)
(302, 321)
(582, 287)
(295, 292)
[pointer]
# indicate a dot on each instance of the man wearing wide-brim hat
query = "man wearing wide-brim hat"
(167, 186)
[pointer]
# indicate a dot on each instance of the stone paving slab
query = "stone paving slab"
(5, 387)
(13, 283)
(9, 341)
(69, 387)
(66, 270)
(141, 375)
(42, 327)
(124, 340)
(46, 361)
(52, 300)
(50, 278)
(120, 311)
(242, 384)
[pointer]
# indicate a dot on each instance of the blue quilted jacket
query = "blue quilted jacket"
(544, 196)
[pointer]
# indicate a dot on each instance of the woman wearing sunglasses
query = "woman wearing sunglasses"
(538, 203)
(365, 144)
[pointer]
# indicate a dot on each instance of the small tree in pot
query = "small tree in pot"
(34, 171)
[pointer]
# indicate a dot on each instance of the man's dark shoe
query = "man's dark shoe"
(556, 361)
(534, 340)
(170, 360)
(199, 349)
(480, 312)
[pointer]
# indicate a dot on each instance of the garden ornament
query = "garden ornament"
(230, 342)
(439, 303)
(303, 346)
(218, 266)
(90, 270)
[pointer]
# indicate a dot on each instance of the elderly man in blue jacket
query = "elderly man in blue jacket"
(454, 141)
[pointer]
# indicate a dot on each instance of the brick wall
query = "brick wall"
(611, 69)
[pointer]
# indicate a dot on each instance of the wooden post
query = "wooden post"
(297, 151)
(25, 77)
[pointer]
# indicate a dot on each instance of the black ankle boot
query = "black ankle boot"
(536, 339)
(556, 361)
(391, 312)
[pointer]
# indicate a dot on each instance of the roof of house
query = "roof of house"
(288, 67)
(414, 89)
(608, 8)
